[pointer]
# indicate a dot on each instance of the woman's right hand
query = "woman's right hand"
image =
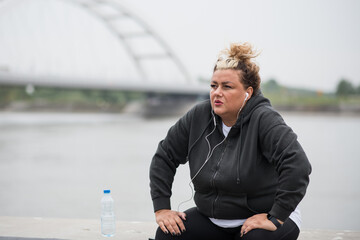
(170, 221)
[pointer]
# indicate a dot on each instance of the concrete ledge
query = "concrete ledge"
(71, 228)
(26, 228)
(320, 234)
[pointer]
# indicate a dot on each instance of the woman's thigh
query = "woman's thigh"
(198, 227)
(289, 231)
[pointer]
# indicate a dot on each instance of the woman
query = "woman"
(248, 169)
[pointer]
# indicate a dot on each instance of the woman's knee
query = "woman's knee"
(280, 234)
(160, 235)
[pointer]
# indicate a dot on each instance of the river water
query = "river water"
(57, 164)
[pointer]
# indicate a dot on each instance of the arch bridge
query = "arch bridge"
(128, 29)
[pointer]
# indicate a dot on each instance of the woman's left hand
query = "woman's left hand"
(257, 221)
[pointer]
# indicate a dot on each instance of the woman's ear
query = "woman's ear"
(249, 91)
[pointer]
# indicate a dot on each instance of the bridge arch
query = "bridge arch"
(112, 13)
(115, 17)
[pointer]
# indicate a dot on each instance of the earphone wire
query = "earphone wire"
(237, 116)
(210, 153)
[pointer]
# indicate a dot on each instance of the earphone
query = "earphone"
(246, 97)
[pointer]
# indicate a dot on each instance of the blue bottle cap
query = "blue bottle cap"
(106, 191)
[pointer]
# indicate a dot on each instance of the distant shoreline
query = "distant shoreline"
(155, 105)
(342, 109)
(174, 109)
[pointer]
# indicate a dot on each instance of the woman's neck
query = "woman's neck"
(229, 122)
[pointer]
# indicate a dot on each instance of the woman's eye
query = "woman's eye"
(227, 86)
(212, 85)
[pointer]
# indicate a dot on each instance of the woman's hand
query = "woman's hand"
(170, 221)
(257, 221)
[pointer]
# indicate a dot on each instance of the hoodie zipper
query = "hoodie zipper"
(213, 179)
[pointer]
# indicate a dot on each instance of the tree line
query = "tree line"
(346, 88)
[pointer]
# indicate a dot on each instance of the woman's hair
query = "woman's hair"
(239, 57)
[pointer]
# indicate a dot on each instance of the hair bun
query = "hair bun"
(241, 52)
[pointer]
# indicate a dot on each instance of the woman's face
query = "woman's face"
(227, 95)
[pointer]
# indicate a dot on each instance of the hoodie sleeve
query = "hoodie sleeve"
(281, 148)
(171, 152)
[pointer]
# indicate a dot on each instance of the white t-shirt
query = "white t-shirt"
(232, 223)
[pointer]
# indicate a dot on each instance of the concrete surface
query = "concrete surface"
(26, 228)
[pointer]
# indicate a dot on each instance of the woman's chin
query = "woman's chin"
(220, 112)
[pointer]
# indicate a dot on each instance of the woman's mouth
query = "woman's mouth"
(218, 102)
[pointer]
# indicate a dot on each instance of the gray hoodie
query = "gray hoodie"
(259, 168)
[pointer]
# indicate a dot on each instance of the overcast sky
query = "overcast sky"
(304, 43)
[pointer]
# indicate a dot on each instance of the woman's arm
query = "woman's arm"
(171, 152)
(280, 147)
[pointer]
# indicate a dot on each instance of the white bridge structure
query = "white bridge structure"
(155, 66)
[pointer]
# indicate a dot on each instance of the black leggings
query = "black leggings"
(199, 227)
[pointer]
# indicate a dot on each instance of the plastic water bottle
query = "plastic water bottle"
(107, 215)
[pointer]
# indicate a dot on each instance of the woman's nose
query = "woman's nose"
(218, 91)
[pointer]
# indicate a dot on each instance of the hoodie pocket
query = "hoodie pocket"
(236, 204)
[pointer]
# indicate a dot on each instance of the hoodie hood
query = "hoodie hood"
(256, 101)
